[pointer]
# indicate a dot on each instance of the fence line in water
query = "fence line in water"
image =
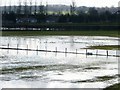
(56, 51)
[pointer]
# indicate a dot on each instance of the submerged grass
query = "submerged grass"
(111, 33)
(113, 87)
(45, 67)
(31, 77)
(93, 68)
(97, 79)
(4, 70)
(105, 78)
(106, 47)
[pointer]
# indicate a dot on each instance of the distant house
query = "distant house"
(52, 19)
(26, 20)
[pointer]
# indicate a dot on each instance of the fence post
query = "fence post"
(37, 49)
(86, 51)
(8, 45)
(107, 52)
(65, 50)
(76, 51)
(56, 49)
(96, 52)
(27, 46)
(27, 49)
(8, 49)
(17, 46)
(46, 48)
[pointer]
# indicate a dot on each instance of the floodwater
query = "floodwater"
(32, 69)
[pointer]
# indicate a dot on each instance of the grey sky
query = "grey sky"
(96, 3)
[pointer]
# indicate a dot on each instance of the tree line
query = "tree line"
(92, 15)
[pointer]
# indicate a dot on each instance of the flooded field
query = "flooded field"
(31, 69)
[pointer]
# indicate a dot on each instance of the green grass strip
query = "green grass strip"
(61, 33)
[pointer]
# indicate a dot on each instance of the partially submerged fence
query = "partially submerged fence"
(87, 51)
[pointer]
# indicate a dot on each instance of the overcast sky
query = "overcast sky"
(96, 3)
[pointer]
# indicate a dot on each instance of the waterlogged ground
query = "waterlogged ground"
(30, 69)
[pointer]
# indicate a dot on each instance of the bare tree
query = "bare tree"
(42, 8)
(14, 8)
(19, 7)
(72, 8)
(30, 6)
(35, 7)
(46, 9)
(5, 9)
(25, 7)
(10, 7)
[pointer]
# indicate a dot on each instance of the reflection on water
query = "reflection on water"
(47, 69)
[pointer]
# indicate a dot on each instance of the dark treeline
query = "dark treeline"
(40, 18)
(80, 17)
(34, 13)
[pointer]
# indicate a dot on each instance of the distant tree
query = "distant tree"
(106, 16)
(10, 17)
(74, 19)
(93, 15)
(25, 7)
(63, 18)
(19, 7)
(35, 11)
(81, 17)
(30, 6)
(41, 17)
(46, 9)
(117, 18)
